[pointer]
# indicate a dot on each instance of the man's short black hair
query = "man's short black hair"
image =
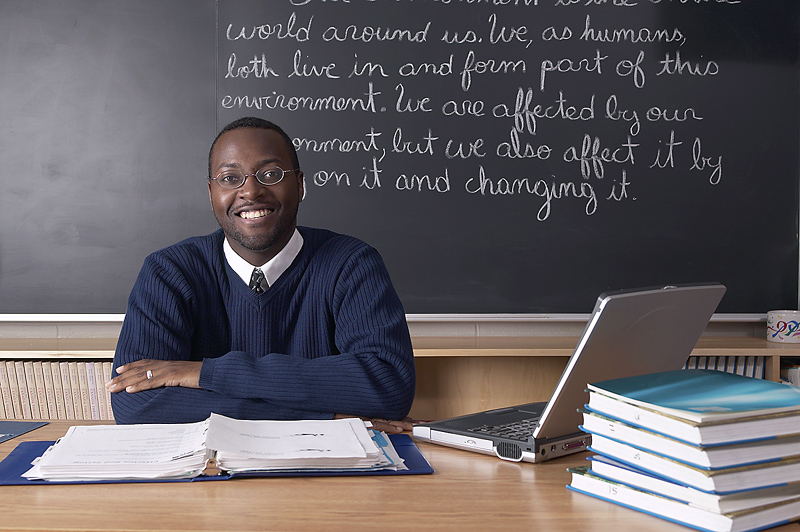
(258, 123)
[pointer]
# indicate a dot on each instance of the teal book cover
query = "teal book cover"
(702, 395)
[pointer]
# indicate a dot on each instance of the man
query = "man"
(320, 334)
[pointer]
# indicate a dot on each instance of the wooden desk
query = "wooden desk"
(467, 492)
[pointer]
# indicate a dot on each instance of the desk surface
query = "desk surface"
(467, 492)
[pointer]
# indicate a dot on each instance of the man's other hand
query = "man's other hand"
(383, 425)
(147, 374)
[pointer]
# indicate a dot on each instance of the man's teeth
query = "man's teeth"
(250, 215)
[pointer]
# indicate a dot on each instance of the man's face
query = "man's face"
(257, 219)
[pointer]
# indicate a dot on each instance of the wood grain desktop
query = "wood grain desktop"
(467, 492)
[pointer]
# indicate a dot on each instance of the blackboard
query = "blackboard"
(503, 156)
(106, 109)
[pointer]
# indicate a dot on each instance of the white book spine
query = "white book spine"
(58, 389)
(49, 390)
(5, 389)
(41, 391)
(3, 384)
(750, 368)
(101, 390)
(14, 388)
(741, 365)
(91, 390)
(69, 406)
(24, 396)
(32, 390)
(759, 368)
(75, 387)
(83, 388)
(107, 370)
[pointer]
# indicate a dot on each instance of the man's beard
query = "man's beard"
(259, 242)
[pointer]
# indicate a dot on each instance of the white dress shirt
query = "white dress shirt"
(273, 268)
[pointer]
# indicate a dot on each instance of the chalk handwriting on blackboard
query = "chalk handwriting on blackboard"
(499, 69)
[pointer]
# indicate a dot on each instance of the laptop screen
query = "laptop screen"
(630, 332)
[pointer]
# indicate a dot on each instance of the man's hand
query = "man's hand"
(383, 425)
(147, 374)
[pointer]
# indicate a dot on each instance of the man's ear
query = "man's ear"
(209, 191)
(301, 183)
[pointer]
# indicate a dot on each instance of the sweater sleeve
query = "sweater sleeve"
(373, 372)
(158, 325)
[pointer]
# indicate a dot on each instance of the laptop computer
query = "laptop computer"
(630, 332)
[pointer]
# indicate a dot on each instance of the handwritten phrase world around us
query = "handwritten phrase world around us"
(573, 115)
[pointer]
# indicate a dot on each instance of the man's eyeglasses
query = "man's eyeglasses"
(269, 175)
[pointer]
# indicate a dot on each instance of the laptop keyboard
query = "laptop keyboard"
(516, 430)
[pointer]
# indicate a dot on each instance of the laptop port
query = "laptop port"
(573, 445)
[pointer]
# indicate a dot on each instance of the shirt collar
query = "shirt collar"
(273, 268)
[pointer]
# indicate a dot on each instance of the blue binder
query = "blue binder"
(19, 461)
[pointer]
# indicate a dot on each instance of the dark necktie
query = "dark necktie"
(258, 283)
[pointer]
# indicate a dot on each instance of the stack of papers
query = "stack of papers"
(244, 446)
(218, 444)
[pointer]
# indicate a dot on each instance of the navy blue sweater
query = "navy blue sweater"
(328, 337)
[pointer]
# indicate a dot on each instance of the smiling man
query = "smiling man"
(262, 319)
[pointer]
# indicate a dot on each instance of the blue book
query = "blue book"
(699, 406)
(704, 457)
(614, 470)
(12, 429)
(679, 511)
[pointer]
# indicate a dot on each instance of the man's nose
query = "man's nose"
(252, 188)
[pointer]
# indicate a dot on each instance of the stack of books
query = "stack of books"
(710, 450)
(54, 390)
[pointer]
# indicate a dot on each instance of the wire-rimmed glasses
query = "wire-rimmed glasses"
(269, 175)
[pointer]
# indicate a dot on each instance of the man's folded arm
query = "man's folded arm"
(186, 405)
(373, 375)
